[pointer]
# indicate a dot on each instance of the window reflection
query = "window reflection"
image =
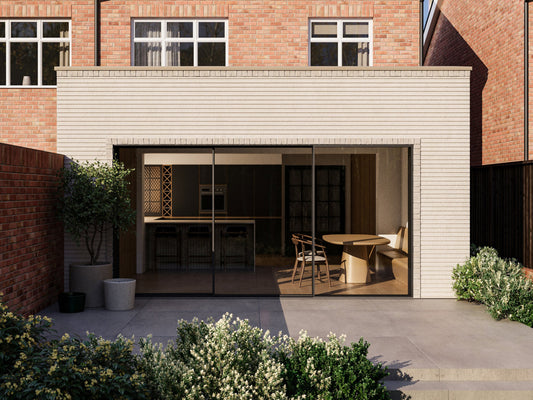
(211, 54)
(23, 63)
(24, 29)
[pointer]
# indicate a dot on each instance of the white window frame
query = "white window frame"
(164, 40)
(340, 39)
(39, 39)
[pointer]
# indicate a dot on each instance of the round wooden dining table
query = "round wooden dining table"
(356, 253)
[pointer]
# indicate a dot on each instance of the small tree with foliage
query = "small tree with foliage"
(93, 197)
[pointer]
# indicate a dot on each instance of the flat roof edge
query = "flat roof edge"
(244, 68)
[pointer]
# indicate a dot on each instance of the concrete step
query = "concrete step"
(461, 374)
(460, 390)
(461, 384)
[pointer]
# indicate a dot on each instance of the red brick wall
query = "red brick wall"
(28, 116)
(31, 238)
(487, 35)
(270, 32)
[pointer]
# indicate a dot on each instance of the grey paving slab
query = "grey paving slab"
(403, 333)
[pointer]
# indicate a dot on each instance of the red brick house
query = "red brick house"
(493, 38)
(248, 122)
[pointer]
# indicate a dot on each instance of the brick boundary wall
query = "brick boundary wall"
(31, 238)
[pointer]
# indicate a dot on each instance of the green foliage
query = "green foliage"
(227, 360)
(499, 284)
(19, 335)
(94, 197)
(230, 359)
(328, 370)
(223, 360)
(34, 368)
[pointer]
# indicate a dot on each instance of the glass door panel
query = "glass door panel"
(255, 220)
(361, 215)
(178, 222)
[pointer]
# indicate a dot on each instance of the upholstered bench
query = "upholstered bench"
(396, 258)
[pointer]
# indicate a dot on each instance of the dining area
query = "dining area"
(360, 268)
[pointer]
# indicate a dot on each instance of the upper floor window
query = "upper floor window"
(30, 49)
(345, 43)
(180, 43)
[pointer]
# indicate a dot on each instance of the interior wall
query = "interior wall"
(391, 190)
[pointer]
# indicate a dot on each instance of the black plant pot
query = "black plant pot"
(71, 302)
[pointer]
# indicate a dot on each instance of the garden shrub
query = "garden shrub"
(230, 359)
(34, 368)
(328, 370)
(499, 284)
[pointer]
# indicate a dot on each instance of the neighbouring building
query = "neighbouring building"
(251, 124)
(488, 35)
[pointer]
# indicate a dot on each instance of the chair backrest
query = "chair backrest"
(305, 241)
(399, 238)
(405, 241)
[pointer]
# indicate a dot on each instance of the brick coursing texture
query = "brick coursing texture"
(31, 238)
(487, 35)
(262, 33)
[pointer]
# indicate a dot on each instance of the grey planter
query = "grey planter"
(89, 279)
(119, 294)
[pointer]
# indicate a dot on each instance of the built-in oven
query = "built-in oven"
(206, 199)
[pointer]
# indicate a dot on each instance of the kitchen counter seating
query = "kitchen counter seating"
(174, 244)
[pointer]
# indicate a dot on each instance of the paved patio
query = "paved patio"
(425, 341)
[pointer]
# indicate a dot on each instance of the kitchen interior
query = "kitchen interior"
(221, 221)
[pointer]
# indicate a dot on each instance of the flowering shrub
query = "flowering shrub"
(33, 368)
(230, 359)
(227, 360)
(499, 284)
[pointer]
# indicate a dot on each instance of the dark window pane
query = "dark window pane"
(179, 29)
(23, 62)
(2, 29)
(54, 55)
(324, 54)
(147, 29)
(24, 29)
(2, 63)
(211, 29)
(147, 54)
(55, 29)
(180, 54)
(355, 30)
(324, 29)
(355, 54)
(212, 54)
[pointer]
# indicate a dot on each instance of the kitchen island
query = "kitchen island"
(186, 244)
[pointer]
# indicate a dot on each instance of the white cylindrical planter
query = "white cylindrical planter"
(119, 294)
(89, 279)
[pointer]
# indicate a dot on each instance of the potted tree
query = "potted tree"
(93, 198)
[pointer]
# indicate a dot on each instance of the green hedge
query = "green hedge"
(227, 359)
(499, 284)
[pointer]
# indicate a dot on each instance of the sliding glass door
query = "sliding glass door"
(254, 252)
(276, 221)
(178, 233)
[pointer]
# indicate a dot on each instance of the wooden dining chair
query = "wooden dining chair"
(304, 256)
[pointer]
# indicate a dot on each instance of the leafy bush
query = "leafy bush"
(230, 359)
(499, 284)
(316, 369)
(19, 335)
(33, 368)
